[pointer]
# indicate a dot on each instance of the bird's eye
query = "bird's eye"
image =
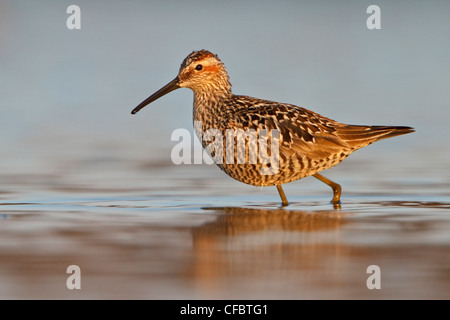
(198, 67)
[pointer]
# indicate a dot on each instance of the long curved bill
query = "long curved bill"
(172, 85)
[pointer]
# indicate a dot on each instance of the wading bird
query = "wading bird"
(308, 142)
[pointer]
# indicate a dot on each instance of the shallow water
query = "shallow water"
(223, 241)
(82, 182)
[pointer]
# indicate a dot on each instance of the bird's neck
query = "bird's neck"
(210, 107)
(209, 97)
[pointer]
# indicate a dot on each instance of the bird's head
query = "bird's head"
(201, 71)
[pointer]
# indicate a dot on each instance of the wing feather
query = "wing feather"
(302, 131)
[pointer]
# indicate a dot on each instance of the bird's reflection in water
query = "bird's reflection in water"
(235, 220)
(249, 242)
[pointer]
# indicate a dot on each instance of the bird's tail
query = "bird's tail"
(364, 135)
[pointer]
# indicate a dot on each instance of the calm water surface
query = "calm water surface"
(195, 238)
(82, 182)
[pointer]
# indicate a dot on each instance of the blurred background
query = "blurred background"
(67, 94)
(68, 142)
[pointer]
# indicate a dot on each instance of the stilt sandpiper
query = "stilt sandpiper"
(308, 143)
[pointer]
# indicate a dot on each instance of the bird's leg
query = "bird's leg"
(282, 195)
(336, 188)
